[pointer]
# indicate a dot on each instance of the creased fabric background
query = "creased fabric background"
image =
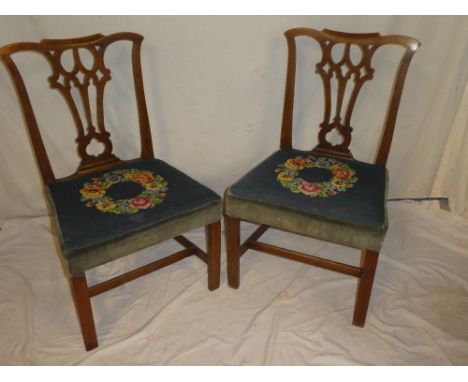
(284, 313)
(214, 87)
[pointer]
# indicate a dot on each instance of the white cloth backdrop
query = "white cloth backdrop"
(452, 177)
(284, 313)
(215, 87)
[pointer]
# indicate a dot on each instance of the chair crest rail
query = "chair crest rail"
(347, 72)
(78, 77)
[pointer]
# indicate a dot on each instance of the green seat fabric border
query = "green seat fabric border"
(103, 253)
(296, 222)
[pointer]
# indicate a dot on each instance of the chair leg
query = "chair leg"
(368, 265)
(213, 249)
(84, 310)
(232, 226)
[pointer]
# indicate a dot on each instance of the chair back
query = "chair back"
(342, 70)
(90, 126)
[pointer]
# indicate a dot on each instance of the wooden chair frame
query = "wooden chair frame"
(327, 68)
(62, 80)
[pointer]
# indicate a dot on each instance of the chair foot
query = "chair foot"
(84, 310)
(213, 250)
(364, 290)
(232, 226)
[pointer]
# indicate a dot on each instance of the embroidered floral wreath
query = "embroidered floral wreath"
(343, 176)
(94, 192)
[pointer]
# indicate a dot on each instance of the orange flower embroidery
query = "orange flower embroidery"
(343, 176)
(154, 189)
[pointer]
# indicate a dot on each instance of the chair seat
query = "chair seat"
(314, 195)
(138, 203)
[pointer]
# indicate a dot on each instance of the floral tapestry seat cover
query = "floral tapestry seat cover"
(134, 196)
(323, 187)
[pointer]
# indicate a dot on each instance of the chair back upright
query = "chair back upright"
(342, 70)
(80, 77)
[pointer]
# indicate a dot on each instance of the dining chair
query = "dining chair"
(109, 207)
(324, 193)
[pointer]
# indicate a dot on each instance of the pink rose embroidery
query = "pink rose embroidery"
(140, 202)
(308, 188)
(342, 176)
(154, 188)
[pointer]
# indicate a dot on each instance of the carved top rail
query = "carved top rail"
(342, 70)
(80, 77)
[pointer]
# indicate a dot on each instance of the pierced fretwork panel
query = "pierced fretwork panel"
(347, 63)
(81, 82)
(350, 74)
(78, 76)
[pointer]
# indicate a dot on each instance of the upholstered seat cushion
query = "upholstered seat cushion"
(328, 198)
(107, 215)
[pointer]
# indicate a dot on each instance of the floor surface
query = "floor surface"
(284, 313)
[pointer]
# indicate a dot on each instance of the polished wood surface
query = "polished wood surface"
(232, 227)
(213, 249)
(80, 77)
(90, 128)
(81, 295)
(253, 238)
(346, 73)
(139, 272)
(305, 259)
(368, 266)
(183, 241)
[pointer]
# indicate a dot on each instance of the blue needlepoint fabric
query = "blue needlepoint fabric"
(335, 189)
(131, 197)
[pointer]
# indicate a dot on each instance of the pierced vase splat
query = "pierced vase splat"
(80, 76)
(346, 60)
(342, 70)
